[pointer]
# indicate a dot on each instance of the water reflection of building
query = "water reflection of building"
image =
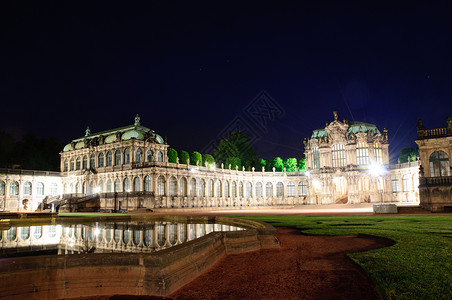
(435, 149)
(102, 238)
(127, 168)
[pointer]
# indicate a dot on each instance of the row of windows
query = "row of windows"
(338, 155)
(408, 183)
(27, 189)
(108, 160)
(175, 188)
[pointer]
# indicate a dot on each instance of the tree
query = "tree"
(195, 157)
(407, 153)
(276, 163)
(290, 164)
(237, 144)
(7, 144)
(233, 161)
(259, 163)
(207, 158)
(224, 150)
(172, 155)
(302, 164)
(183, 156)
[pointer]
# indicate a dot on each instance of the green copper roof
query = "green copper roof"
(135, 131)
(357, 126)
(354, 127)
(318, 133)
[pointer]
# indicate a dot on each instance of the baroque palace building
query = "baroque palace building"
(435, 150)
(127, 168)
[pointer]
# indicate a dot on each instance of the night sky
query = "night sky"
(194, 71)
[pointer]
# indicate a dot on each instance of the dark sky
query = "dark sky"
(193, 70)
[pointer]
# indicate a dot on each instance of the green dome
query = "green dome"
(132, 134)
(110, 139)
(159, 139)
(79, 145)
(68, 147)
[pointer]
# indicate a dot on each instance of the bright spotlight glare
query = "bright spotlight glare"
(377, 169)
(96, 231)
(307, 173)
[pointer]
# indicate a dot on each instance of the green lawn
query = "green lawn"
(418, 266)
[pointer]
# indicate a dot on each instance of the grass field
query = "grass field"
(418, 266)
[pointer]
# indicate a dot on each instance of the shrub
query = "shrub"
(207, 158)
(183, 156)
(172, 155)
(195, 157)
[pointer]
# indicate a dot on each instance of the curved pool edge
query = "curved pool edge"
(160, 273)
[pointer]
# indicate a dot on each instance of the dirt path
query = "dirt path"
(305, 267)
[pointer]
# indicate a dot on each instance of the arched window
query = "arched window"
(192, 187)
(149, 156)
(72, 164)
(338, 156)
(269, 189)
(147, 183)
(210, 188)
(126, 185)
(362, 154)
(24, 233)
(161, 186)
(172, 186)
(136, 184)
(302, 189)
(226, 189)
(240, 189)
(71, 188)
(84, 187)
(258, 189)
(234, 189)
(217, 188)
(109, 159)
(201, 188)
(40, 188)
(248, 189)
(127, 156)
(315, 158)
(65, 188)
(100, 186)
(117, 157)
(2, 188)
(395, 184)
(279, 189)
(117, 185)
(92, 161)
(77, 187)
(91, 188)
(439, 164)
(405, 183)
(37, 232)
(378, 157)
(291, 189)
(138, 159)
(183, 187)
(160, 156)
(108, 186)
(65, 165)
(100, 163)
(14, 188)
(77, 164)
(27, 188)
(85, 162)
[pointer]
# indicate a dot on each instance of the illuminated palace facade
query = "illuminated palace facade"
(127, 168)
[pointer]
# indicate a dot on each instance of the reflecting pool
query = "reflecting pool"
(101, 237)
